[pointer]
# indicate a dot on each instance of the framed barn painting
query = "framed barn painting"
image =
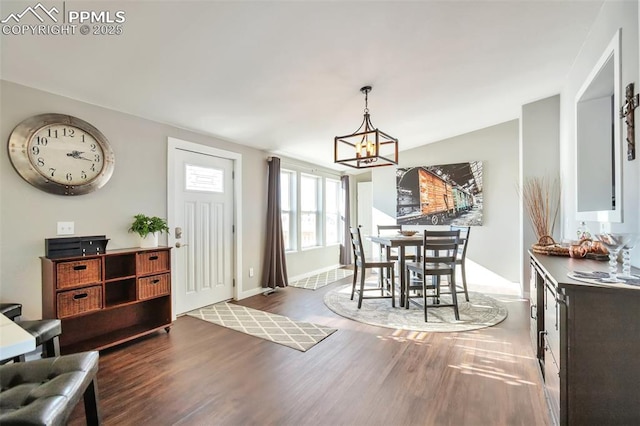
(449, 194)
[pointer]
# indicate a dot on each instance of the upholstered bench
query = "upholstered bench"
(45, 391)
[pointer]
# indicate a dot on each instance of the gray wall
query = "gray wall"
(539, 144)
(495, 245)
(139, 184)
(614, 15)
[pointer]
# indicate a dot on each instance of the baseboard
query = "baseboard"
(312, 273)
(252, 292)
(260, 290)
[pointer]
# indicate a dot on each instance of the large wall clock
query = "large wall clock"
(61, 154)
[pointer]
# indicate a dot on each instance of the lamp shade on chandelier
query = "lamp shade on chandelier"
(367, 146)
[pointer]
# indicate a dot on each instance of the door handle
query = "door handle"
(531, 313)
(179, 244)
(541, 339)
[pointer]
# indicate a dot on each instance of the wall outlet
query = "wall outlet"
(250, 272)
(66, 228)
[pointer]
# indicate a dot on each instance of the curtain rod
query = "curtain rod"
(307, 167)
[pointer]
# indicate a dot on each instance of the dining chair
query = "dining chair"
(11, 310)
(46, 332)
(462, 255)
(439, 249)
(391, 254)
(360, 266)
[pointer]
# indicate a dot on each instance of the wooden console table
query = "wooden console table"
(108, 299)
(587, 341)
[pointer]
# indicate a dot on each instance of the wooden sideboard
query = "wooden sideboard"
(586, 338)
(108, 299)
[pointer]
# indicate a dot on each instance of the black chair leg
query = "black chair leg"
(405, 284)
(424, 299)
(454, 295)
(355, 280)
(51, 348)
(91, 408)
(464, 281)
(361, 289)
(393, 286)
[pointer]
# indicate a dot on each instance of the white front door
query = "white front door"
(202, 233)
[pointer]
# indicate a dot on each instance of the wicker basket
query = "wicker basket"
(75, 302)
(153, 286)
(152, 261)
(74, 274)
(546, 245)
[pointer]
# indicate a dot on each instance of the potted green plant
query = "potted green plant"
(148, 228)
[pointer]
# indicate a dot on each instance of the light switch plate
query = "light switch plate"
(66, 228)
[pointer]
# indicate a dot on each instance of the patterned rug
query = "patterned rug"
(315, 282)
(481, 311)
(276, 328)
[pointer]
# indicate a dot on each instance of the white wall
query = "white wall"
(138, 185)
(364, 222)
(496, 244)
(614, 15)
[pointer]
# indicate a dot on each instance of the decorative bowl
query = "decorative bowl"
(408, 233)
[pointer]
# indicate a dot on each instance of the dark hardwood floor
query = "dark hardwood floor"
(203, 374)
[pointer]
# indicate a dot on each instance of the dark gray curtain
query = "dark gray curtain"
(275, 266)
(345, 247)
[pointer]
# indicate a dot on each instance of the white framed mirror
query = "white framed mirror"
(598, 140)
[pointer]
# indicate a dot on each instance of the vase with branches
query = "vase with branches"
(542, 203)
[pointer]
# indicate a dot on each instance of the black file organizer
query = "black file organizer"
(55, 248)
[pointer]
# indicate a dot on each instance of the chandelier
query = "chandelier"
(367, 146)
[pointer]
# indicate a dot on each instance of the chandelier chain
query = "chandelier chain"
(366, 102)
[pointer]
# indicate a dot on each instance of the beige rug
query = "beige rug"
(275, 328)
(315, 282)
(481, 311)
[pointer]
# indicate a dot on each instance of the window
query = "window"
(288, 203)
(312, 209)
(310, 218)
(333, 204)
(204, 179)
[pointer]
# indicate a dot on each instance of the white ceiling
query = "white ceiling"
(285, 76)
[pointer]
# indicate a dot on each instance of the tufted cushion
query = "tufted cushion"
(45, 391)
(42, 330)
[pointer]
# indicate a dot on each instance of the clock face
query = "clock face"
(61, 154)
(66, 154)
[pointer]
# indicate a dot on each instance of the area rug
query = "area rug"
(481, 311)
(275, 328)
(315, 282)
